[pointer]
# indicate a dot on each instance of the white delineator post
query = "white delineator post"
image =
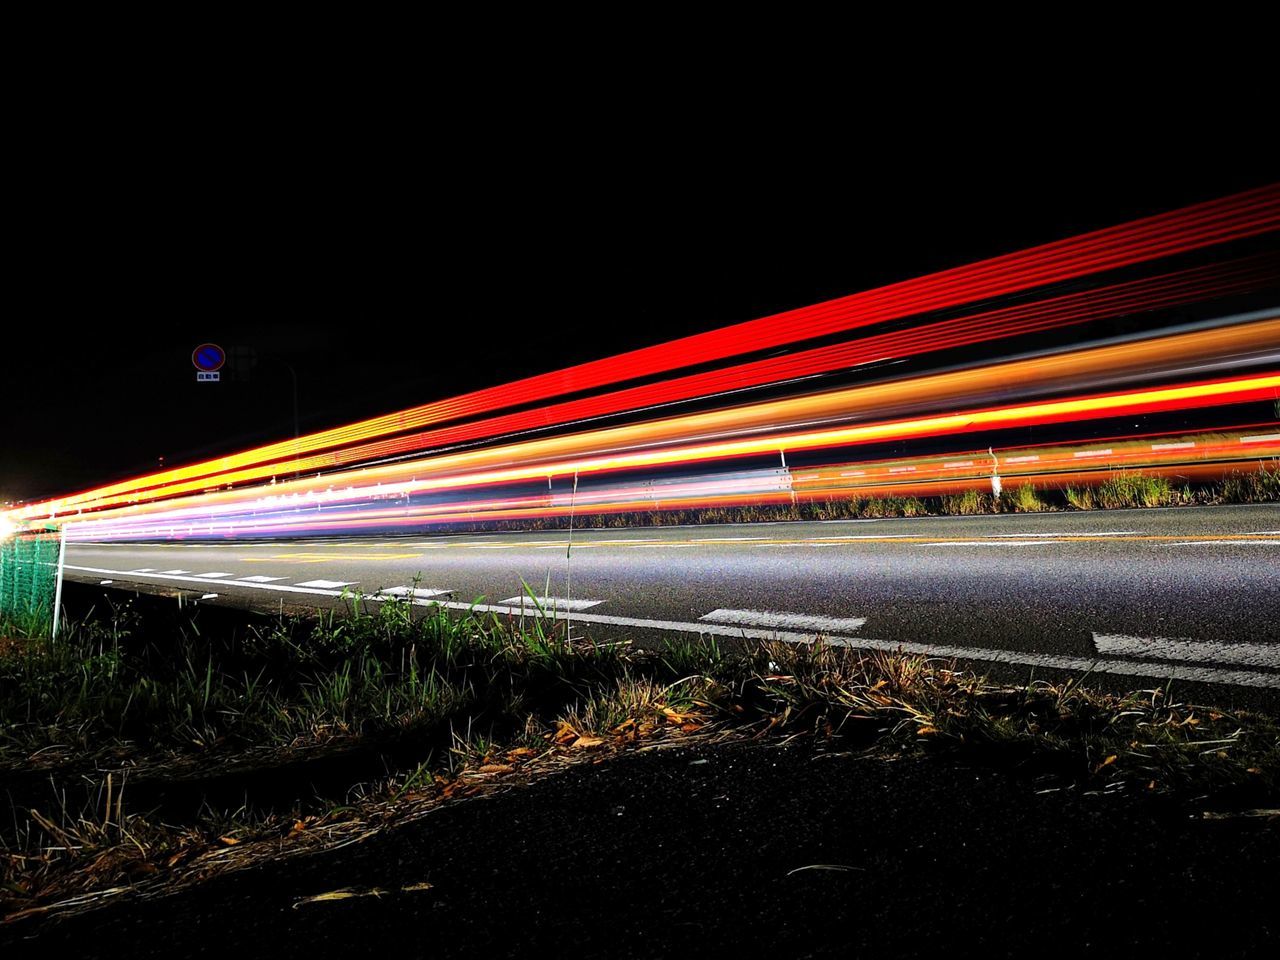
(996, 485)
(57, 589)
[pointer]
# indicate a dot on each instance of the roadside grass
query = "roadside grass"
(1022, 498)
(1255, 486)
(1127, 489)
(454, 706)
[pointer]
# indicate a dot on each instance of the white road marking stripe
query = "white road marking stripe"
(1175, 671)
(957, 464)
(212, 576)
(173, 573)
(551, 603)
(103, 583)
(1261, 438)
(873, 536)
(989, 543)
(327, 584)
(1234, 543)
(1092, 453)
(1108, 533)
(1173, 446)
(144, 570)
(1198, 651)
(209, 596)
(258, 579)
(853, 473)
(1022, 459)
(902, 469)
(416, 592)
(804, 621)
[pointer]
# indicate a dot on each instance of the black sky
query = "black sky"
(392, 270)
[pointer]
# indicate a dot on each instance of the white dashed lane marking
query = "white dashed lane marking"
(797, 621)
(327, 584)
(174, 573)
(550, 603)
(417, 593)
(1197, 651)
(1176, 671)
(212, 576)
(258, 579)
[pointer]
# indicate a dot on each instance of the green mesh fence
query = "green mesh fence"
(28, 577)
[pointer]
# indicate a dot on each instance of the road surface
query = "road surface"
(1189, 593)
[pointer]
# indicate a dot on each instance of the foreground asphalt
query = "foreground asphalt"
(739, 851)
(1190, 594)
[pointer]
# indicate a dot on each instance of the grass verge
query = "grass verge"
(138, 729)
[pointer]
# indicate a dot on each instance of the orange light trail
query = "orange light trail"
(1215, 222)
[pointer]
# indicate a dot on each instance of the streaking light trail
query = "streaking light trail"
(1163, 236)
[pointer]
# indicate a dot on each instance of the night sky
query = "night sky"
(390, 280)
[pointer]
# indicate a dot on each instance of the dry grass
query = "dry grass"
(562, 704)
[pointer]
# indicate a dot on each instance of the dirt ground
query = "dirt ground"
(739, 850)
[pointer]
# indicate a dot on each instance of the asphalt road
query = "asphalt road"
(1189, 593)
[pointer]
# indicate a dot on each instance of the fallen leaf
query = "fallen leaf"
(587, 743)
(496, 768)
(344, 894)
(927, 730)
(229, 841)
(565, 733)
(417, 887)
(836, 867)
(520, 752)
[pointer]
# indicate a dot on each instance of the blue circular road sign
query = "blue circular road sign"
(208, 357)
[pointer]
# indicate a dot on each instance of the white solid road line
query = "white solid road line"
(1174, 671)
(418, 593)
(1234, 543)
(328, 584)
(799, 621)
(550, 603)
(989, 543)
(1109, 533)
(1197, 651)
(258, 579)
(1263, 438)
